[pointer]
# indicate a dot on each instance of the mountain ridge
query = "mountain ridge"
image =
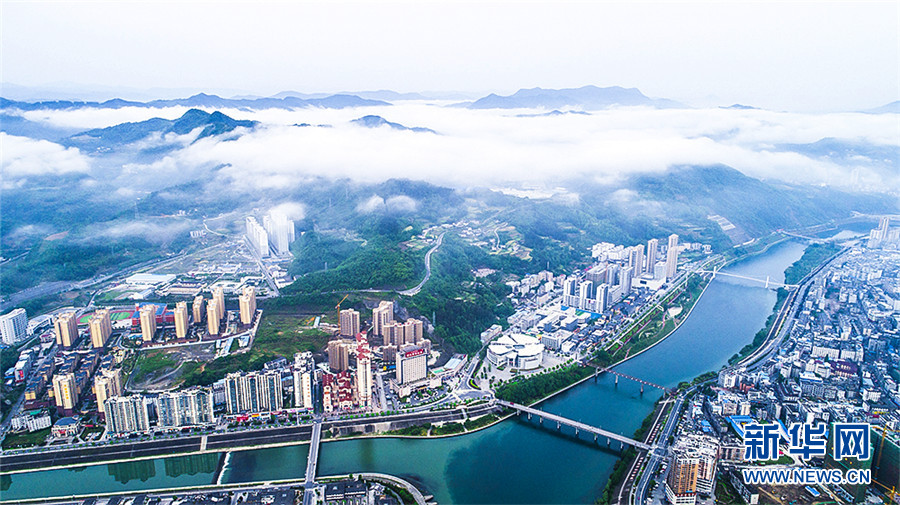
(214, 123)
(588, 97)
(337, 101)
(373, 121)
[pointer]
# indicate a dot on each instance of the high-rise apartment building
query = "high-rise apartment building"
(191, 407)
(148, 322)
(363, 373)
(198, 308)
(381, 316)
(252, 392)
(65, 393)
(304, 374)
(625, 277)
(693, 469)
(586, 295)
(349, 322)
(182, 321)
(107, 384)
(652, 252)
(14, 327)
(247, 302)
(257, 236)
(636, 259)
(339, 355)
(218, 295)
(66, 326)
(280, 231)
(672, 257)
(414, 331)
(303, 380)
(127, 414)
(681, 483)
(100, 328)
(212, 317)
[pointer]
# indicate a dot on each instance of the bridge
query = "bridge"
(313, 458)
(309, 494)
(813, 240)
(767, 281)
(642, 382)
(579, 426)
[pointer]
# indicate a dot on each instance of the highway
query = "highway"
(414, 291)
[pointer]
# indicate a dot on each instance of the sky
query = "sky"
(795, 56)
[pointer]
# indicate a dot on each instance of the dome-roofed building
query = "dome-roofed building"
(523, 352)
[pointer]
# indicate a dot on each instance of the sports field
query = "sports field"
(116, 315)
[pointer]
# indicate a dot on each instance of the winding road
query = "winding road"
(414, 291)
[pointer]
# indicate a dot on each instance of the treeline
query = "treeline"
(535, 387)
(761, 335)
(381, 263)
(812, 257)
(66, 260)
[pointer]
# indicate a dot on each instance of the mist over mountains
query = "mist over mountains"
(565, 166)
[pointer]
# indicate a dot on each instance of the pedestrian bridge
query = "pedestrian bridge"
(579, 426)
(642, 382)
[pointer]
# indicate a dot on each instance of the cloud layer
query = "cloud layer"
(491, 147)
(22, 156)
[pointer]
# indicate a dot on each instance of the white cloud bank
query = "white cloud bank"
(22, 157)
(497, 148)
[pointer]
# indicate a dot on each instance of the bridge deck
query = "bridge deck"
(635, 379)
(576, 424)
(745, 277)
(313, 453)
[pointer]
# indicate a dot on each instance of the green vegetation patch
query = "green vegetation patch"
(19, 440)
(282, 334)
(535, 387)
(279, 335)
(474, 424)
(448, 429)
(412, 431)
(813, 256)
(152, 363)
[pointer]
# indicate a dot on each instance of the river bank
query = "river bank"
(514, 462)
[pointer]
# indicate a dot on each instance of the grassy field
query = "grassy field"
(285, 334)
(16, 440)
(152, 363)
(279, 334)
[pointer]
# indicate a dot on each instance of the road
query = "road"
(659, 452)
(12, 461)
(382, 400)
(784, 320)
(414, 291)
(265, 271)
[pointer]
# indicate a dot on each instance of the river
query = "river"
(513, 462)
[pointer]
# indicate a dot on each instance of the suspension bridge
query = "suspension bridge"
(767, 281)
